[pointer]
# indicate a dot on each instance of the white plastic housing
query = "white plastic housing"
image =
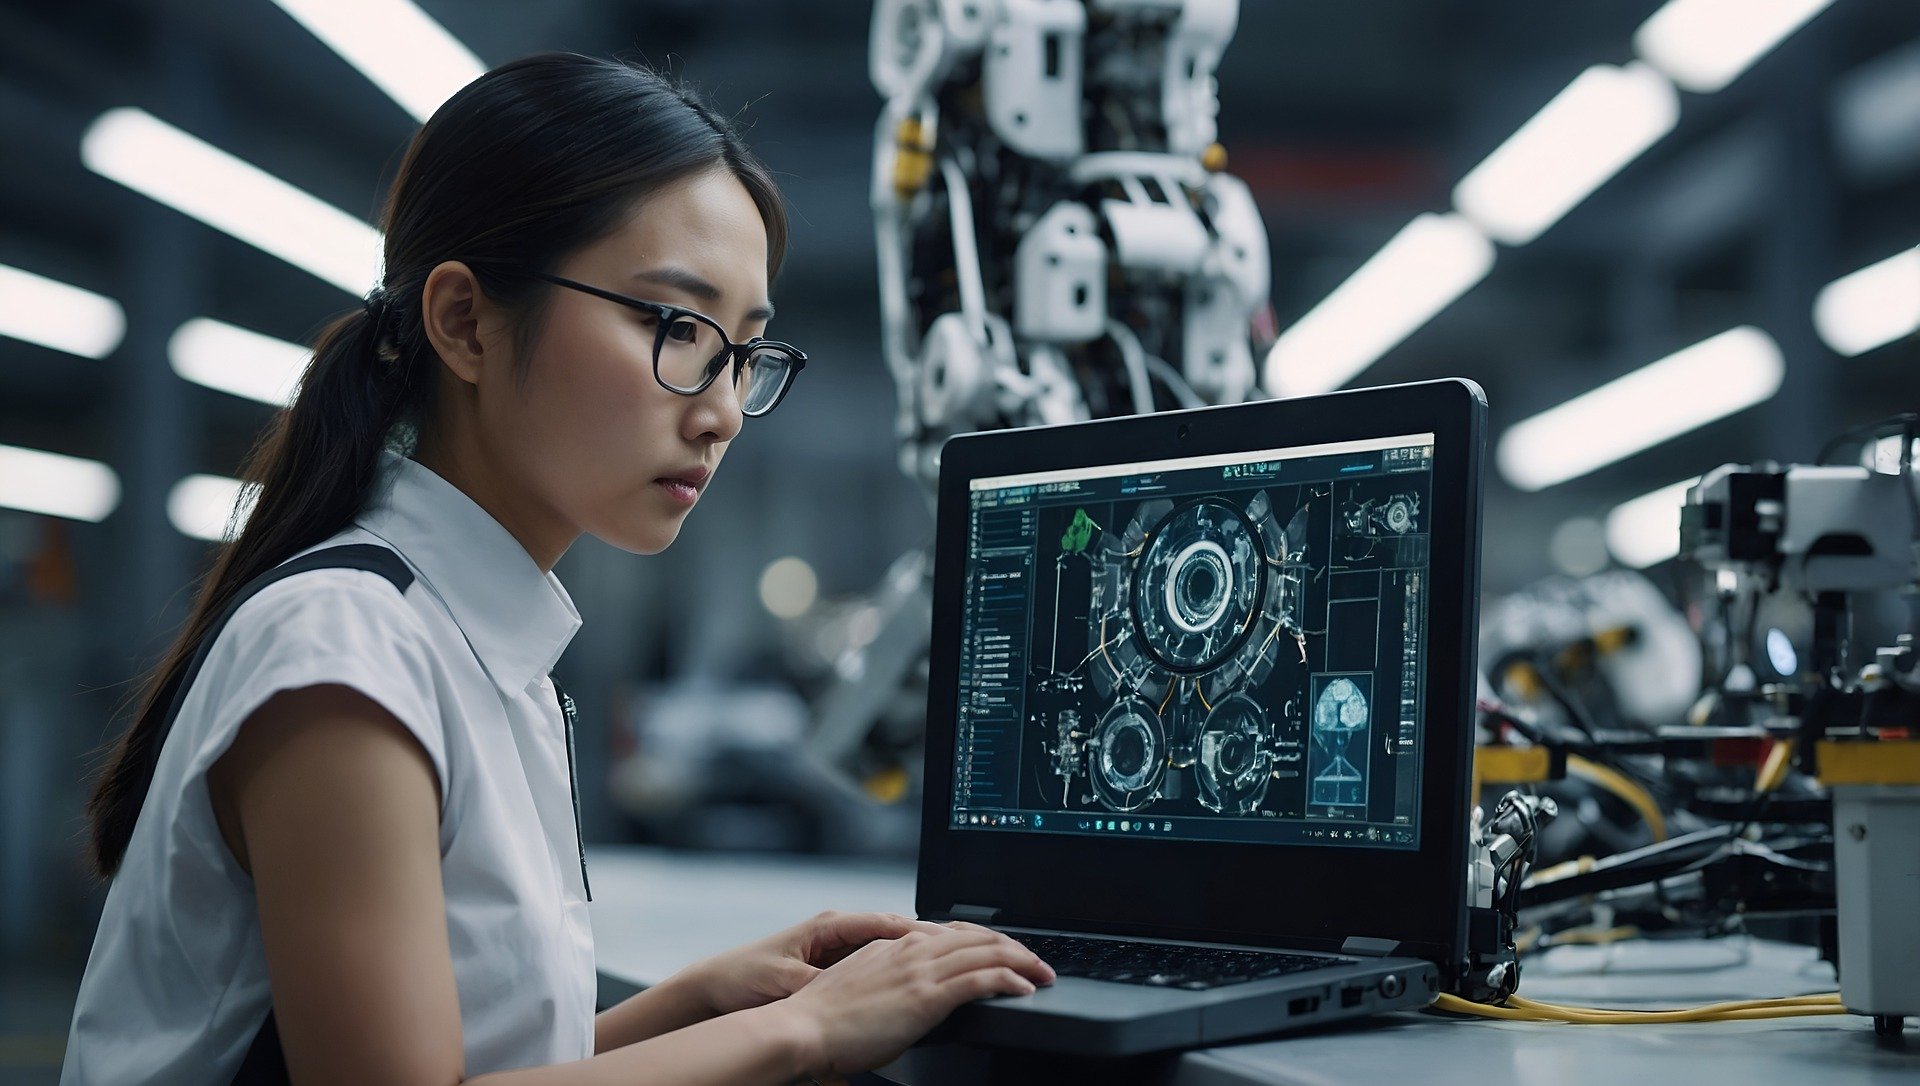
(1031, 78)
(1060, 271)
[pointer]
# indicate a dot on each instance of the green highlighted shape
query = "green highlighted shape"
(1079, 533)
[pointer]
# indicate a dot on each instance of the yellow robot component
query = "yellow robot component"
(888, 785)
(1857, 762)
(912, 158)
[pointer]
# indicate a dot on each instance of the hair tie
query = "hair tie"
(378, 303)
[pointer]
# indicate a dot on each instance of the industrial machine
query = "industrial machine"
(1789, 789)
(1832, 533)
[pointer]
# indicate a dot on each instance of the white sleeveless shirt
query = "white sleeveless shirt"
(176, 986)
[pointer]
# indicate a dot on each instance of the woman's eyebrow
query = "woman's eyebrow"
(691, 283)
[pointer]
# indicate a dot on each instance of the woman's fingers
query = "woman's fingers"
(881, 997)
(945, 940)
(984, 983)
(1002, 954)
(833, 935)
(963, 947)
(1045, 975)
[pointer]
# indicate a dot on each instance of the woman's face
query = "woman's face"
(594, 435)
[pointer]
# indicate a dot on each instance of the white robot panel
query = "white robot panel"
(1061, 266)
(1031, 79)
(1055, 232)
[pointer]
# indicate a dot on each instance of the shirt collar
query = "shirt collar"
(517, 618)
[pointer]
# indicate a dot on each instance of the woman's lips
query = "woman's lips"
(678, 490)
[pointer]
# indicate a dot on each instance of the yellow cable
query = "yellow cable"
(1813, 1000)
(1621, 785)
(1774, 769)
(1649, 1018)
(1561, 870)
(1521, 1009)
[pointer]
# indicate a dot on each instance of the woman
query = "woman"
(348, 851)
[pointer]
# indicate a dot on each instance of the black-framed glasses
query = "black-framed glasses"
(690, 349)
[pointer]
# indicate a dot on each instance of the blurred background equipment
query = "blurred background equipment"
(1831, 533)
(1780, 796)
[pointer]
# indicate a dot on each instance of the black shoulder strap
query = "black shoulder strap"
(368, 556)
(265, 1062)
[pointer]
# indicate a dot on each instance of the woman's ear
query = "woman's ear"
(451, 312)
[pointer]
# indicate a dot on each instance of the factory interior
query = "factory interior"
(1618, 299)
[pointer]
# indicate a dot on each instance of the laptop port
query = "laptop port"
(1351, 997)
(1303, 1005)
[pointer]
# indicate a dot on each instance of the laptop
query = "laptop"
(1200, 720)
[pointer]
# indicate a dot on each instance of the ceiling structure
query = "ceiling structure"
(1346, 119)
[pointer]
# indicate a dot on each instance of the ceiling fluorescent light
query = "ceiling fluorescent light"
(53, 314)
(154, 158)
(1684, 391)
(1603, 120)
(394, 44)
(233, 360)
(60, 486)
(1429, 263)
(1646, 530)
(1871, 307)
(1705, 44)
(199, 505)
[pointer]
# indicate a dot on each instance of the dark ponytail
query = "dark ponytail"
(528, 163)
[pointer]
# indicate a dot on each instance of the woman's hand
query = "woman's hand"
(864, 1011)
(781, 964)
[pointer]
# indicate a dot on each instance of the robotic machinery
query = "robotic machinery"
(1058, 240)
(1794, 798)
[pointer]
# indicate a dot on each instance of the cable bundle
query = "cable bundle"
(1521, 1009)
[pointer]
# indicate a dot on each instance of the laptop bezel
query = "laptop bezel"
(1264, 894)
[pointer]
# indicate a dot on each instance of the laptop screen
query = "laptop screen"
(1224, 648)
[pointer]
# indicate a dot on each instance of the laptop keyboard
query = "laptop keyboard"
(1163, 965)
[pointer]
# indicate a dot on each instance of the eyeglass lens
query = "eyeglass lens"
(689, 348)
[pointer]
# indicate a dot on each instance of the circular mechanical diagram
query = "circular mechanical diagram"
(1200, 579)
(1399, 513)
(1235, 762)
(1127, 755)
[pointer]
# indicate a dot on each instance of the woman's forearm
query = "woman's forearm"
(672, 1004)
(768, 1045)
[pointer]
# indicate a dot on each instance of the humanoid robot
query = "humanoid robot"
(1057, 239)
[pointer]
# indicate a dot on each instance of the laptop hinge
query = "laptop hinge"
(974, 914)
(1363, 946)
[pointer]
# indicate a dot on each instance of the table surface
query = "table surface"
(655, 911)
